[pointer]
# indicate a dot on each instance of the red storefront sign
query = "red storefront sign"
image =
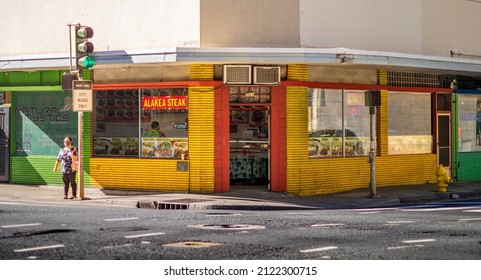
(164, 102)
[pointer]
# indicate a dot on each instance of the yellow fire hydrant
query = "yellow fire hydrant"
(442, 178)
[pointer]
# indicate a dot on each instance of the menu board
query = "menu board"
(160, 147)
(116, 146)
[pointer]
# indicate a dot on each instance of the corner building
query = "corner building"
(255, 94)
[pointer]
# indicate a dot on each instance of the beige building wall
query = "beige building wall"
(426, 27)
(249, 23)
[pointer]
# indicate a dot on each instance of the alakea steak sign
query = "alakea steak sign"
(164, 102)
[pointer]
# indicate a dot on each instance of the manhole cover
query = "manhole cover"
(228, 227)
(193, 244)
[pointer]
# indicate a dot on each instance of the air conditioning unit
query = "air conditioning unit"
(237, 74)
(267, 75)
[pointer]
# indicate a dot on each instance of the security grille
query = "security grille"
(410, 79)
(267, 75)
(237, 74)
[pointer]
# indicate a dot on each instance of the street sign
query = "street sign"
(82, 95)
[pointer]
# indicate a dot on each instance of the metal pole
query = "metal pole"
(372, 155)
(81, 194)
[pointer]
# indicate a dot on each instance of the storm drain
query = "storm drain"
(172, 205)
(228, 227)
(193, 244)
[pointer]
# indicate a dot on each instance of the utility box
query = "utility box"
(372, 98)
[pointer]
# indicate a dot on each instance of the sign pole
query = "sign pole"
(81, 102)
(81, 193)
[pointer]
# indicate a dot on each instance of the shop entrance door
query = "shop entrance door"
(249, 140)
(443, 144)
(4, 150)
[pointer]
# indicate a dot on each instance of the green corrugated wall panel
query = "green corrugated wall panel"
(469, 167)
(35, 170)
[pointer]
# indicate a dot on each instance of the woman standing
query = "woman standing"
(68, 156)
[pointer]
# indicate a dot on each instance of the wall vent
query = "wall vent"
(237, 74)
(267, 75)
(409, 79)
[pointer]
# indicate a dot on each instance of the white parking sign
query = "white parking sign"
(82, 96)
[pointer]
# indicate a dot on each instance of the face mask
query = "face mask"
(67, 143)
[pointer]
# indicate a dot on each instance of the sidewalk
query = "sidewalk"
(241, 198)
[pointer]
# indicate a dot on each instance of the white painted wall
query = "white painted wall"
(40, 27)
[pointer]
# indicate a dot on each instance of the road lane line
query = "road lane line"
(327, 225)
(469, 219)
(439, 209)
(11, 203)
(400, 222)
(121, 219)
(404, 247)
(318, 249)
(473, 211)
(117, 246)
(366, 213)
(21, 225)
(419, 241)
(144, 235)
(38, 248)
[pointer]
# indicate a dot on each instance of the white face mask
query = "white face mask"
(67, 143)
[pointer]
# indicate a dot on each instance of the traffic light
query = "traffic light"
(372, 98)
(83, 47)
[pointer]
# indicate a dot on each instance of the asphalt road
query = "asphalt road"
(434, 231)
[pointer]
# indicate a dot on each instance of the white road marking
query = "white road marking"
(327, 225)
(300, 213)
(372, 212)
(318, 249)
(473, 211)
(121, 219)
(22, 225)
(469, 219)
(39, 248)
(11, 203)
(117, 246)
(438, 209)
(404, 247)
(419, 241)
(400, 222)
(144, 235)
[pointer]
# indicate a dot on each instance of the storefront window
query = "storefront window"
(469, 122)
(409, 128)
(327, 135)
(141, 123)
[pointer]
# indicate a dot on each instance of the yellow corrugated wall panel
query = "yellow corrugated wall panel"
(297, 72)
(201, 72)
(148, 174)
(201, 139)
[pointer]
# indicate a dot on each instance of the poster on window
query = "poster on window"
(42, 120)
(159, 147)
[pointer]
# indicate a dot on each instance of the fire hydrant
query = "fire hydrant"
(442, 178)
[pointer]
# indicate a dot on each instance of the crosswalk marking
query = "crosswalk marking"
(144, 235)
(38, 248)
(318, 249)
(21, 225)
(121, 219)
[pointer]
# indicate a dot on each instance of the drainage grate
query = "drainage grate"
(172, 206)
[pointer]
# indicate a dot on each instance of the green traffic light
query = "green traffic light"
(86, 62)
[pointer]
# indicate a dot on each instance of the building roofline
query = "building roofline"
(310, 56)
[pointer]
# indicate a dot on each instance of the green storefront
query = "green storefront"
(40, 116)
(467, 135)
